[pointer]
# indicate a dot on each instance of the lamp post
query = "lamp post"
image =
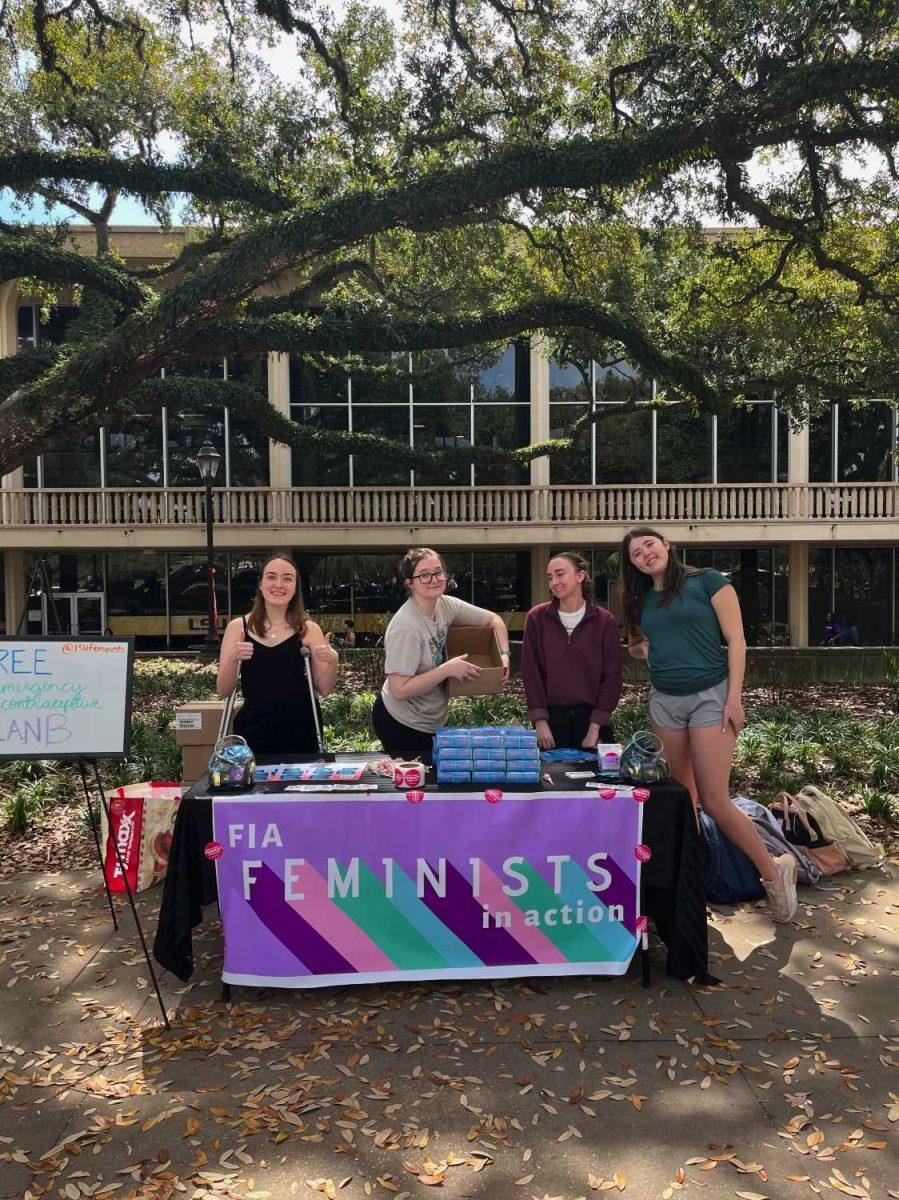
(208, 459)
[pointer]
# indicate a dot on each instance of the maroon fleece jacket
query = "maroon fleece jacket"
(582, 669)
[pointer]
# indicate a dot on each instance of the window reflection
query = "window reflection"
(441, 427)
(376, 469)
(683, 444)
(744, 444)
(320, 466)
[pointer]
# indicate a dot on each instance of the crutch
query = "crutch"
(306, 655)
(227, 713)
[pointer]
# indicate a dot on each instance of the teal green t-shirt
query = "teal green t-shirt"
(686, 650)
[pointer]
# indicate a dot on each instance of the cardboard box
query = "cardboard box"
(194, 761)
(197, 723)
(482, 648)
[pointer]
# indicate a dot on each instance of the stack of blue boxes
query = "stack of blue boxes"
(492, 754)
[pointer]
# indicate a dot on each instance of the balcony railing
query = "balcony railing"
(405, 506)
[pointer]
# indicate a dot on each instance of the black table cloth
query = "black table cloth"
(673, 880)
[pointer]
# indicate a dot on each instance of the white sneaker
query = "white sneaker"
(782, 898)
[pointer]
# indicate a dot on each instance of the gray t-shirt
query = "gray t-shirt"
(414, 644)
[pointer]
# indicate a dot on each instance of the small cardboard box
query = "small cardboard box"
(482, 648)
(194, 761)
(197, 723)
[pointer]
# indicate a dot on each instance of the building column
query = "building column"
(539, 406)
(797, 593)
(13, 560)
(797, 454)
(279, 457)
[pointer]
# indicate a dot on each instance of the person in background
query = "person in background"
(832, 631)
(263, 649)
(349, 634)
(848, 635)
(686, 624)
(414, 700)
(571, 660)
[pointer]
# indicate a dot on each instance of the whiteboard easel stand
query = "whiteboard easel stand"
(82, 763)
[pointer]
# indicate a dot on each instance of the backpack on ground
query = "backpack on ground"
(802, 829)
(730, 876)
(813, 810)
(775, 840)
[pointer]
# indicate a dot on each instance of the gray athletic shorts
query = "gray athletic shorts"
(685, 712)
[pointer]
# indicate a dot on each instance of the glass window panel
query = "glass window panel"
(135, 596)
(683, 445)
(70, 572)
(248, 454)
(310, 386)
(502, 427)
(574, 465)
(566, 382)
(619, 382)
(53, 328)
(820, 446)
(376, 469)
(458, 565)
(73, 461)
(26, 323)
(377, 591)
(783, 451)
(507, 379)
(744, 444)
(501, 580)
(624, 446)
(189, 591)
(863, 590)
(187, 432)
(865, 443)
(820, 563)
(381, 379)
(327, 583)
(134, 451)
(321, 467)
(437, 379)
(442, 427)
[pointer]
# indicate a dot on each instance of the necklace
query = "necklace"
(274, 630)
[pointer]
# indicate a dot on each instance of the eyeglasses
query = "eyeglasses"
(430, 576)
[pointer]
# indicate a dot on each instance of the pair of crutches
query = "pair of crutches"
(228, 710)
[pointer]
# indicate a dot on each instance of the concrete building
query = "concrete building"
(804, 520)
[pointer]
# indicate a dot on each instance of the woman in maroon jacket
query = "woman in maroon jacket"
(571, 660)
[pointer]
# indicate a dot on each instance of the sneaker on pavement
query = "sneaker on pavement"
(782, 898)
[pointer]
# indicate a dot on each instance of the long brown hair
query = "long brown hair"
(580, 564)
(633, 584)
(296, 612)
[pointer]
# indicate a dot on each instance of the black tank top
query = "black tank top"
(277, 715)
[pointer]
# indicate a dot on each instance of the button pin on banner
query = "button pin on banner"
(415, 797)
(607, 793)
(213, 849)
(642, 853)
(642, 924)
(641, 795)
(493, 795)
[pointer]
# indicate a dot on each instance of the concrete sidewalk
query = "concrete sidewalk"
(782, 1082)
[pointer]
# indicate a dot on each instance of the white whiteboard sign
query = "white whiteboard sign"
(65, 697)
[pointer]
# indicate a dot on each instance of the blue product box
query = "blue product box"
(486, 741)
(489, 766)
(446, 775)
(448, 754)
(522, 753)
(528, 777)
(488, 777)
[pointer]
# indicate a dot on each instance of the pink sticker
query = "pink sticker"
(641, 795)
(493, 795)
(607, 793)
(642, 924)
(415, 797)
(642, 852)
(213, 849)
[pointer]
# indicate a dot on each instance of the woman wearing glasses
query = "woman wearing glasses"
(413, 700)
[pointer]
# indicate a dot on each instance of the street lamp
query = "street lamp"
(208, 459)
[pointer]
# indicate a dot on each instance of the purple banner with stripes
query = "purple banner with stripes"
(319, 890)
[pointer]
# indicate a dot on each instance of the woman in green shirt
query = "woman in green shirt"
(686, 623)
